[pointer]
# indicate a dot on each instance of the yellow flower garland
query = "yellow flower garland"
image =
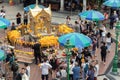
(49, 41)
(64, 29)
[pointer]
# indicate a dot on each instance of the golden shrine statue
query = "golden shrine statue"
(40, 19)
(39, 26)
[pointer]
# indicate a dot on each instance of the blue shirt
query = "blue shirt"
(76, 72)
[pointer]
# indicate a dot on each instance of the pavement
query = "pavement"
(113, 76)
(57, 17)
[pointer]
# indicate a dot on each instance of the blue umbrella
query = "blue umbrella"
(4, 21)
(112, 3)
(92, 15)
(77, 39)
(32, 6)
(2, 55)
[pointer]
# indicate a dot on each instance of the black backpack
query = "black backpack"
(14, 67)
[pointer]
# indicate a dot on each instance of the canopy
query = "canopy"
(4, 23)
(32, 6)
(35, 11)
(112, 3)
(2, 55)
(77, 39)
(92, 15)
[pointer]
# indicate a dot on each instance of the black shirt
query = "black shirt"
(36, 48)
(104, 49)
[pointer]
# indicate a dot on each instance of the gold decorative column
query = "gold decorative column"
(35, 29)
(48, 27)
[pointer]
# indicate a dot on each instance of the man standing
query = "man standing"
(76, 72)
(24, 75)
(37, 54)
(45, 66)
(2, 14)
(18, 18)
(13, 27)
(103, 52)
(15, 68)
(25, 18)
(77, 27)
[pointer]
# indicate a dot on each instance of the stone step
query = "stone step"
(25, 60)
(24, 55)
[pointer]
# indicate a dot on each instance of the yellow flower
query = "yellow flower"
(49, 41)
(64, 29)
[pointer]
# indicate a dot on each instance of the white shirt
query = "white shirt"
(96, 70)
(103, 28)
(28, 69)
(63, 73)
(45, 67)
(25, 77)
(108, 40)
(71, 68)
(2, 14)
(103, 33)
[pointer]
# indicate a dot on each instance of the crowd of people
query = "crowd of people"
(83, 62)
(11, 66)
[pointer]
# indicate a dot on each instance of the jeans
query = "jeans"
(76, 78)
(108, 46)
